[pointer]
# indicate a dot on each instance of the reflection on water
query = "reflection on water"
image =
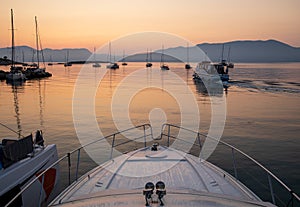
(262, 108)
(41, 101)
(210, 89)
(17, 109)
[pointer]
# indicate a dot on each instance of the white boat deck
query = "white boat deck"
(182, 174)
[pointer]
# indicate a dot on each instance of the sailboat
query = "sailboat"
(50, 61)
(124, 62)
(36, 71)
(16, 72)
(163, 66)
(95, 65)
(111, 65)
(148, 64)
(230, 64)
(24, 64)
(67, 63)
(187, 65)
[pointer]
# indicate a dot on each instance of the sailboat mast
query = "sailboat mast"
(222, 52)
(109, 52)
(94, 54)
(12, 39)
(187, 53)
(228, 56)
(37, 42)
(147, 56)
(162, 56)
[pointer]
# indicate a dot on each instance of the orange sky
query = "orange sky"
(89, 23)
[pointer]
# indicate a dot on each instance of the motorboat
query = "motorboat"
(213, 72)
(206, 71)
(96, 65)
(159, 174)
(21, 161)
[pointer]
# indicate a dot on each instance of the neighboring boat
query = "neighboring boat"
(67, 63)
(111, 65)
(124, 62)
(24, 63)
(161, 175)
(16, 72)
(95, 65)
(208, 71)
(163, 66)
(50, 61)
(187, 65)
(148, 60)
(21, 161)
(230, 64)
(36, 71)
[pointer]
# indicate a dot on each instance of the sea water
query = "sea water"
(262, 108)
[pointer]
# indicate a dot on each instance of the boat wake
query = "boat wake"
(267, 86)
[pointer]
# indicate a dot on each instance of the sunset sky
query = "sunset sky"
(89, 23)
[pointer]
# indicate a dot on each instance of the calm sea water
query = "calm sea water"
(262, 110)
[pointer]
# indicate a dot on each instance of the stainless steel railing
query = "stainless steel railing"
(293, 196)
(166, 131)
(145, 128)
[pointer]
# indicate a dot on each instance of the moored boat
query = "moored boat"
(95, 64)
(161, 175)
(16, 72)
(111, 65)
(21, 161)
(35, 70)
(124, 63)
(148, 60)
(163, 66)
(67, 63)
(213, 72)
(187, 65)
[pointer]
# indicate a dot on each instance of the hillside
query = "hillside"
(240, 51)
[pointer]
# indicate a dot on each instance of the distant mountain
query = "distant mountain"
(236, 51)
(240, 51)
(253, 51)
(155, 57)
(54, 54)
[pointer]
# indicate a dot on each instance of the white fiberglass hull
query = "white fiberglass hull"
(189, 182)
(14, 177)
